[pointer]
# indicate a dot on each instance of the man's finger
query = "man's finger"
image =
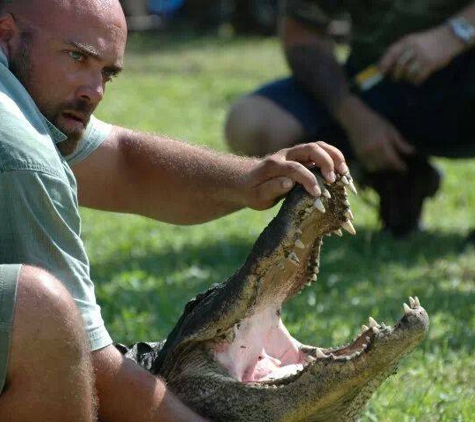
(393, 159)
(272, 190)
(389, 59)
(337, 157)
(403, 63)
(293, 170)
(402, 145)
(316, 153)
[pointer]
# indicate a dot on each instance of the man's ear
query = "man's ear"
(8, 32)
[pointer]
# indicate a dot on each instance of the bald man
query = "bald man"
(57, 362)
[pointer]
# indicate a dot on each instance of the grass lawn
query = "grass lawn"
(146, 271)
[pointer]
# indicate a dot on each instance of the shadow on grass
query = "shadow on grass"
(370, 274)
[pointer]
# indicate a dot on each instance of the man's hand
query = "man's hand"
(376, 142)
(417, 56)
(274, 176)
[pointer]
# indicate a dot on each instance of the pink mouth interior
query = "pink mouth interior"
(262, 349)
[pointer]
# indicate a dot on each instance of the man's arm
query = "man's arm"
(128, 393)
(310, 54)
(417, 56)
(179, 183)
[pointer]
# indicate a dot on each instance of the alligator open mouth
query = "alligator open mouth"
(230, 356)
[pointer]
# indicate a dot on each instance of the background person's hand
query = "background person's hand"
(417, 56)
(377, 143)
(274, 176)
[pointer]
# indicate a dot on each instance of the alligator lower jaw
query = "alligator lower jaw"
(376, 349)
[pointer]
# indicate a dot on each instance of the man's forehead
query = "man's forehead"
(96, 50)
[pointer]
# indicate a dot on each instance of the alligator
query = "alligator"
(230, 357)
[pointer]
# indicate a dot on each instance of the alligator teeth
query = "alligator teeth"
(407, 309)
(294, 258)
(299, 244)
(383, 326)
(318, 204)
(349, 215)
(364, 328)
(349, 227)
(345, 180)
(313, 277)
(281, 265)
(298, 231)
(316, 269)
(416, 299)
(412, 302)
(320, 354)
(346, 203)
(375, 330)
(352, 187)
(373, 323)
(338, 232)
(364, 346)
(326, 193)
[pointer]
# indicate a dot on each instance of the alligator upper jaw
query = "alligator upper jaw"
(283, 260)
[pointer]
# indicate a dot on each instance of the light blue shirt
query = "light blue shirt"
(39, 217)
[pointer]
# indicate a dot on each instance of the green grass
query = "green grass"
(146, 271)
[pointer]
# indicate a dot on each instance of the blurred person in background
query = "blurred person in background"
(406, 92)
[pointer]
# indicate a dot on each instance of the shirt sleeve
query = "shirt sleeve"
(96, 133)
(41, 227)
(318, 14)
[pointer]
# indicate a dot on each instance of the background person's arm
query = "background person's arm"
(417, 56)
(179, 183)
(310, 54)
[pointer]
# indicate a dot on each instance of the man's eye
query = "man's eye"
(77, 56)
(109, 75)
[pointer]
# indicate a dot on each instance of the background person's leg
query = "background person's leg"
(256, 126)
(49, 374)
(279, 115)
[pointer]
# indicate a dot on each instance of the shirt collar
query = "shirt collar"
(56, 135)
(3, 58)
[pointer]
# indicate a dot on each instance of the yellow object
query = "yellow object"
(368, 78)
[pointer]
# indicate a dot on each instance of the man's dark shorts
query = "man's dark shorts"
(8, 287)
(438, 117)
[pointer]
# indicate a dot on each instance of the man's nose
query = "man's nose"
(92, 90)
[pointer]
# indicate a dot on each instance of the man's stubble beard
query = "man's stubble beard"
(20, 65)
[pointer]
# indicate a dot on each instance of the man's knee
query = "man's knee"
(49, 355)
(45, 310)
(257, 126)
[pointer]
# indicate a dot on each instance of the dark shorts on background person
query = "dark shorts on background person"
(437, 117)
(8, 288)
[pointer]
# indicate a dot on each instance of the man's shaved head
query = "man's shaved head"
(45, 12)
(64, 52)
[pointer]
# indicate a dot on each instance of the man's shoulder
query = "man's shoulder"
(25, 141)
